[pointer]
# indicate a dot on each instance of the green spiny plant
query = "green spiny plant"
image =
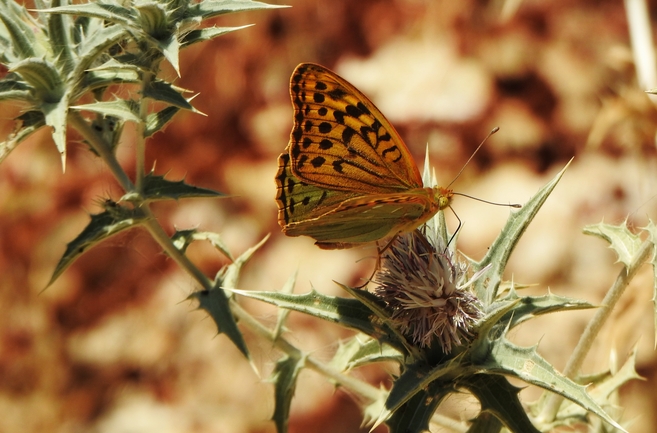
(443, 319)
(445, 322)
(63, 64)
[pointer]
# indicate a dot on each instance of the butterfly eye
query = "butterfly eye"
(443, 199)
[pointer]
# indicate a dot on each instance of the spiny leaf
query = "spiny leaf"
(418, 377)
(209, 9)
(158, 188)
(621, 240)
(44, 78)
(414, 414)
(115, 219)
(652, 237)
(499, 252)
(359, 351)
(112, 72)
(156, 121)
(525, 364)
(284, 377)
(166, 92)
(532, 306)
(602, 389)
(350, 313)
(499, 398)
(55, 115)
(111, 12)
(93, 47)
(28, 123)
(183, 238)
(22, 37)
(14, 89)
(202, 35)
(216, 303)
(284, 313)
(123, 109)
(58, 32)
(228, 277)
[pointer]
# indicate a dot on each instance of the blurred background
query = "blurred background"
(113, 346)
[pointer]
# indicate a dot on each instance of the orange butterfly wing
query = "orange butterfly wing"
(341, 141)
(346, 177)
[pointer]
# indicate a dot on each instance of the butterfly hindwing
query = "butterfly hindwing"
(367, 219)
(298, 201)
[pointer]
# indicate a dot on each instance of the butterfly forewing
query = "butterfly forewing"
(341, 141)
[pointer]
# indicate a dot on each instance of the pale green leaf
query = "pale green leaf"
(624, 243)
(499, 252)
(652, 238)
(284, 377)
(124, 109)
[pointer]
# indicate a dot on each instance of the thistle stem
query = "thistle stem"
(553, 401)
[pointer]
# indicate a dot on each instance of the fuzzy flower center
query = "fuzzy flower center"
(427, 290)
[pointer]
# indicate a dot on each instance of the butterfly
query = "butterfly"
(346, 178)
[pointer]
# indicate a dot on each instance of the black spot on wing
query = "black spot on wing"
(364, 132)
(393, 148)
(353, 111)
(347, 134)
(325, 127)
(322, 198)
(297, 133)
(318, 161)
(296, 151)
(290, 185)
(336, 93)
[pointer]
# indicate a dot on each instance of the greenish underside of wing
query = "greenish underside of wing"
(301, 202)
(363, 219)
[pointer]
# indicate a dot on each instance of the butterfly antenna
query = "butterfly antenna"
(513, 205)
(492, 131)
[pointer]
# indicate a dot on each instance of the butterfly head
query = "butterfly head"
(442, 196)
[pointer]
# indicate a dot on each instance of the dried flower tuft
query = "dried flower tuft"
(427, 290)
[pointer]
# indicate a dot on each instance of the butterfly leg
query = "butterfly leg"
(379, 251)
(457, 228)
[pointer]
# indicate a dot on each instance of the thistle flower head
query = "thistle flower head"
(426, 288)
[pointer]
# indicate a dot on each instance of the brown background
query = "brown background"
(113, 344)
